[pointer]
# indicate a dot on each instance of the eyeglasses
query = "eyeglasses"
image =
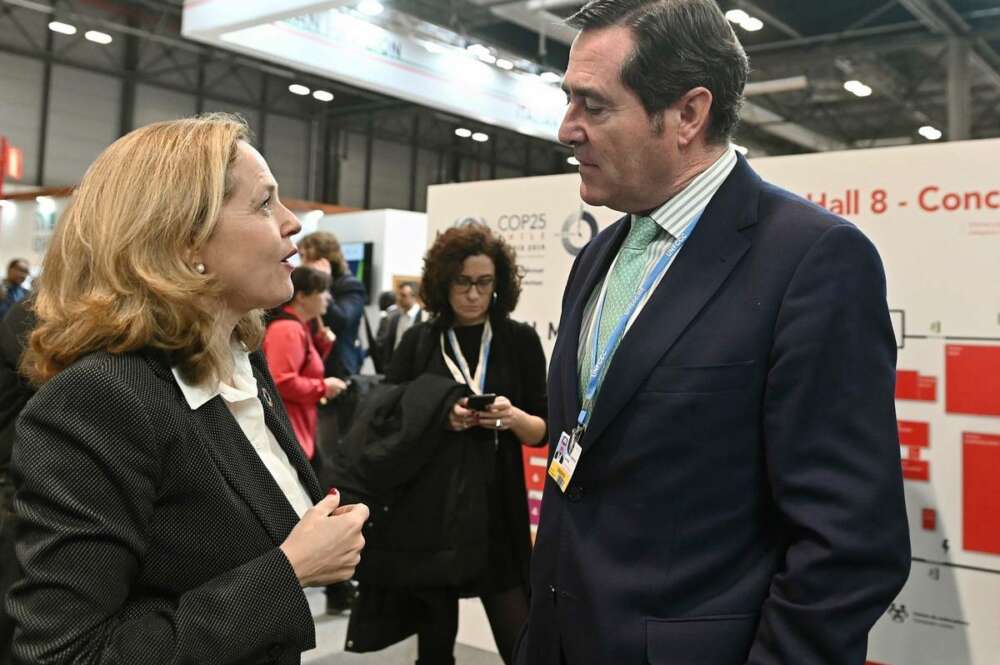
(463, 284)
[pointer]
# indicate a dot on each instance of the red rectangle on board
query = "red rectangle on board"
(981, 492)
(927, 388)
(914, 433)
(928, 517)
(534, 511)
(906, 384)
(534, 460)
(914, 469)
(972, 379)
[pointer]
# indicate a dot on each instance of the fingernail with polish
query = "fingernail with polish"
(333, 490)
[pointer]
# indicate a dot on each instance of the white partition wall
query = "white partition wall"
(933, 211)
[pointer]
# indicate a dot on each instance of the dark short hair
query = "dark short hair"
(307, 281)
(386, 299)
(443, 263)
(679, 45)
(14, 262)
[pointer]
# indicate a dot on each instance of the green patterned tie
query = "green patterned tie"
(623, 282)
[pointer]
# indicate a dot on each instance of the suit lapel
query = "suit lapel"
(235, 457)
(699, 270)
(570, 330)
(277, 421)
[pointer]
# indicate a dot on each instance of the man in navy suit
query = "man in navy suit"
(722, 384)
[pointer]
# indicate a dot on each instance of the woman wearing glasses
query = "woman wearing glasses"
(465, 530)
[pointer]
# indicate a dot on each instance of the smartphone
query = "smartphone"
(480, 402)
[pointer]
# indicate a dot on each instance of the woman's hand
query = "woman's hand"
(325, 546)
(499, 415)
(323, 331)
(334, 387)
(461, 418)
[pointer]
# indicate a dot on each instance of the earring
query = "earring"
(199, 268)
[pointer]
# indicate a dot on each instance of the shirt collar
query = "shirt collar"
(674, 215)
(414, 308)
(245, 384)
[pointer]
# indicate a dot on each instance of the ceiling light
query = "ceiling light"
(480, 137)
(97, 37)
(736, 16)
(550, 77)
(62, 28)
(477, 50)
(370, 7)
(323, 95)
(505, 64)
(752, 24)
(298, 89)
(930, 133)
(488, 58)
(572, 160)
(857, 88)
(462, 132)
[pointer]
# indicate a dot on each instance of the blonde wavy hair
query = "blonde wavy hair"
(118, 274)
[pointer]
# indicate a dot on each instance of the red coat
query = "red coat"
(295, 358)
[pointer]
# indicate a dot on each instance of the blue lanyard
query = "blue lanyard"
(599, 360)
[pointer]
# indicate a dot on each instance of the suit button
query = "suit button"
(574, 493)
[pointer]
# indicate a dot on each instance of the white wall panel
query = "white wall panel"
(390, 175)
(352, 170)
(20, 107)
(286, 148)
(153, 104)
(83, 121)
(427, 175)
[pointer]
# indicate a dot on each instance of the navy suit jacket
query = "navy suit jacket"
(739, 497)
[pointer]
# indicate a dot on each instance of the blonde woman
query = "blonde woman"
(166, 511)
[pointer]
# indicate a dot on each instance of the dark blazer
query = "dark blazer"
(386, 336)
(148, 532)
(739, 496)
(343, 316)
(15, 391)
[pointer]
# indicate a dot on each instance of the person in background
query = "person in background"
(165, 511)
(460, 528)
(386, 303)
(295, 355)
(723, 382)
(15, 391)
(321, 250)
(13, 289)
(406, 314)
(347, 302)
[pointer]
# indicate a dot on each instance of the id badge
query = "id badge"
(565, 459)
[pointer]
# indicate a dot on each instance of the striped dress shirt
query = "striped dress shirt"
(672, 217)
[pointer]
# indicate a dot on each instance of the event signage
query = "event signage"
(336, 42)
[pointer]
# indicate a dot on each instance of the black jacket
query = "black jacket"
(15, 391)
(401, 461)
(343, 316)
(148, 531)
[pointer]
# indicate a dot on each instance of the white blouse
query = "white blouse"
(242, 401)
